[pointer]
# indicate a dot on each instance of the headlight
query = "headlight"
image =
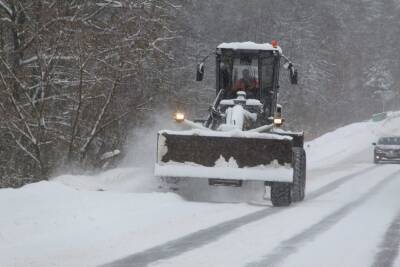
(179, 117)
(278, 121)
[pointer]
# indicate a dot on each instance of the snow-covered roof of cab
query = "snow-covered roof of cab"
(249, 46)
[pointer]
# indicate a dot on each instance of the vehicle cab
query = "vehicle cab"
(249, 67)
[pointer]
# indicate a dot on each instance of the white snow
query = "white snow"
(6, 8)
(370, 223)
(231, 133)
(221, 162)
(227, 102)
(162, 149)
(348, 141)
(118, 180)
(110, 154)
(253, 102)
(248, 46)
(110, 3)
(235, 118)
(89, 220)
(273, 172)
(51, 224)
(251, 242)
(249, 102)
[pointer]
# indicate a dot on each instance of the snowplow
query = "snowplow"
(242, 144)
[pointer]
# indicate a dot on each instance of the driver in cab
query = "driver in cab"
(247, 83)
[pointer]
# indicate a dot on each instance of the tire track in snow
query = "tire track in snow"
(202, 237)
(291, 245)
(389, 248)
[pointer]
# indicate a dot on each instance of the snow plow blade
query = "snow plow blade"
(263, 157)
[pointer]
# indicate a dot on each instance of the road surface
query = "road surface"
(351, 217)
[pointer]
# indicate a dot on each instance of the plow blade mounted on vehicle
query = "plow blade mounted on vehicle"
(262, 157)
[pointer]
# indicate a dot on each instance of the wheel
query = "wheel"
(299, 174)
(281, 195)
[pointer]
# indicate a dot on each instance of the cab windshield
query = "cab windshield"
(242, 73)
(245, 73)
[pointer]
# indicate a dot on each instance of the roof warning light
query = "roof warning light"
(274, 43)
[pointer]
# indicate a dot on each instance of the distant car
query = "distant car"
(387, 149)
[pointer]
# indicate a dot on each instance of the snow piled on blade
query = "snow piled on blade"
(230, 133)
(231, 163)
(248, 46)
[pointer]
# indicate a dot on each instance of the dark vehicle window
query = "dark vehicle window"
(267, 71)
(389, 141)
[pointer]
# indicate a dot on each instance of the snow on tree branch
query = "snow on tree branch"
(110, 3)
(6, 8)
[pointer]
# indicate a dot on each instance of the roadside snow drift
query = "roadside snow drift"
(348, 141)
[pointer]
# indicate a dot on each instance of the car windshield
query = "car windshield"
(389, 141)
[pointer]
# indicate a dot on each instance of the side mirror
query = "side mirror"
(293, 75)
(279, 110)
(374, 144)
(278, 120)
(200, 72)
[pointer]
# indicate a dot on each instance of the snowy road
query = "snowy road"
(389, 247)
(282, 236)
(351, 217)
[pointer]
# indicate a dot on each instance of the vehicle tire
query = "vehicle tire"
(299, 174)
(281, 195)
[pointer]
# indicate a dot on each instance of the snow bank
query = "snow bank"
(349, 141)
(118, 180)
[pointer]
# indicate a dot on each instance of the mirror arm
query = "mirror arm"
(205, 58)
(200, 68)
(213, 108)
(288, 64)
